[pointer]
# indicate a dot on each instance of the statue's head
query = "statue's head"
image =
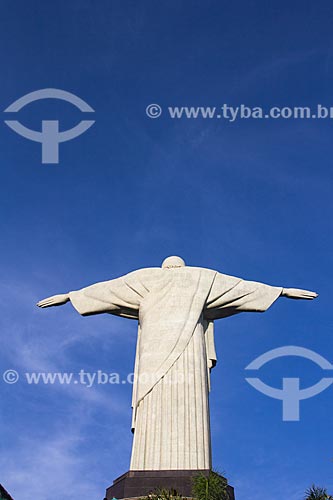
(172, 261)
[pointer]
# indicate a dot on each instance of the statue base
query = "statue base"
(136, 484)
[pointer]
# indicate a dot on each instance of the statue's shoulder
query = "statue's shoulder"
(148, 273)
(203, 270)
(144, 272)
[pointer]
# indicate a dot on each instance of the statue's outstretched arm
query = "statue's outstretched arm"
(55, 300)
(296, 293)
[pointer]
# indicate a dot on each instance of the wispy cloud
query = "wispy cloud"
(51, 457)
(49, 468)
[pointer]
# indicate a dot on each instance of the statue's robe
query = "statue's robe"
(175, 308)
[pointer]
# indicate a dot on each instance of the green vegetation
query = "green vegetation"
(317, 493)
(213, 487)
(164, 494)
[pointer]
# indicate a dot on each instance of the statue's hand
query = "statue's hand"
(55, 300)
(296, 293)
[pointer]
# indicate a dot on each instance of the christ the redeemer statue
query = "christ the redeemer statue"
(175, 306)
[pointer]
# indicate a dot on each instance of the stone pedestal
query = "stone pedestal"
(134, 484)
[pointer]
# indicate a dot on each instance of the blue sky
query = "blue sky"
(251, 198)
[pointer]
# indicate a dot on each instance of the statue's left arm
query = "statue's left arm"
(54, 300)
(230, 295)
(120, 296)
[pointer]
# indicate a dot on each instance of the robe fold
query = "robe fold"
(175, 309)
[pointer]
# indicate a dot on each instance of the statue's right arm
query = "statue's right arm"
(55, 300)
(297, 293)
